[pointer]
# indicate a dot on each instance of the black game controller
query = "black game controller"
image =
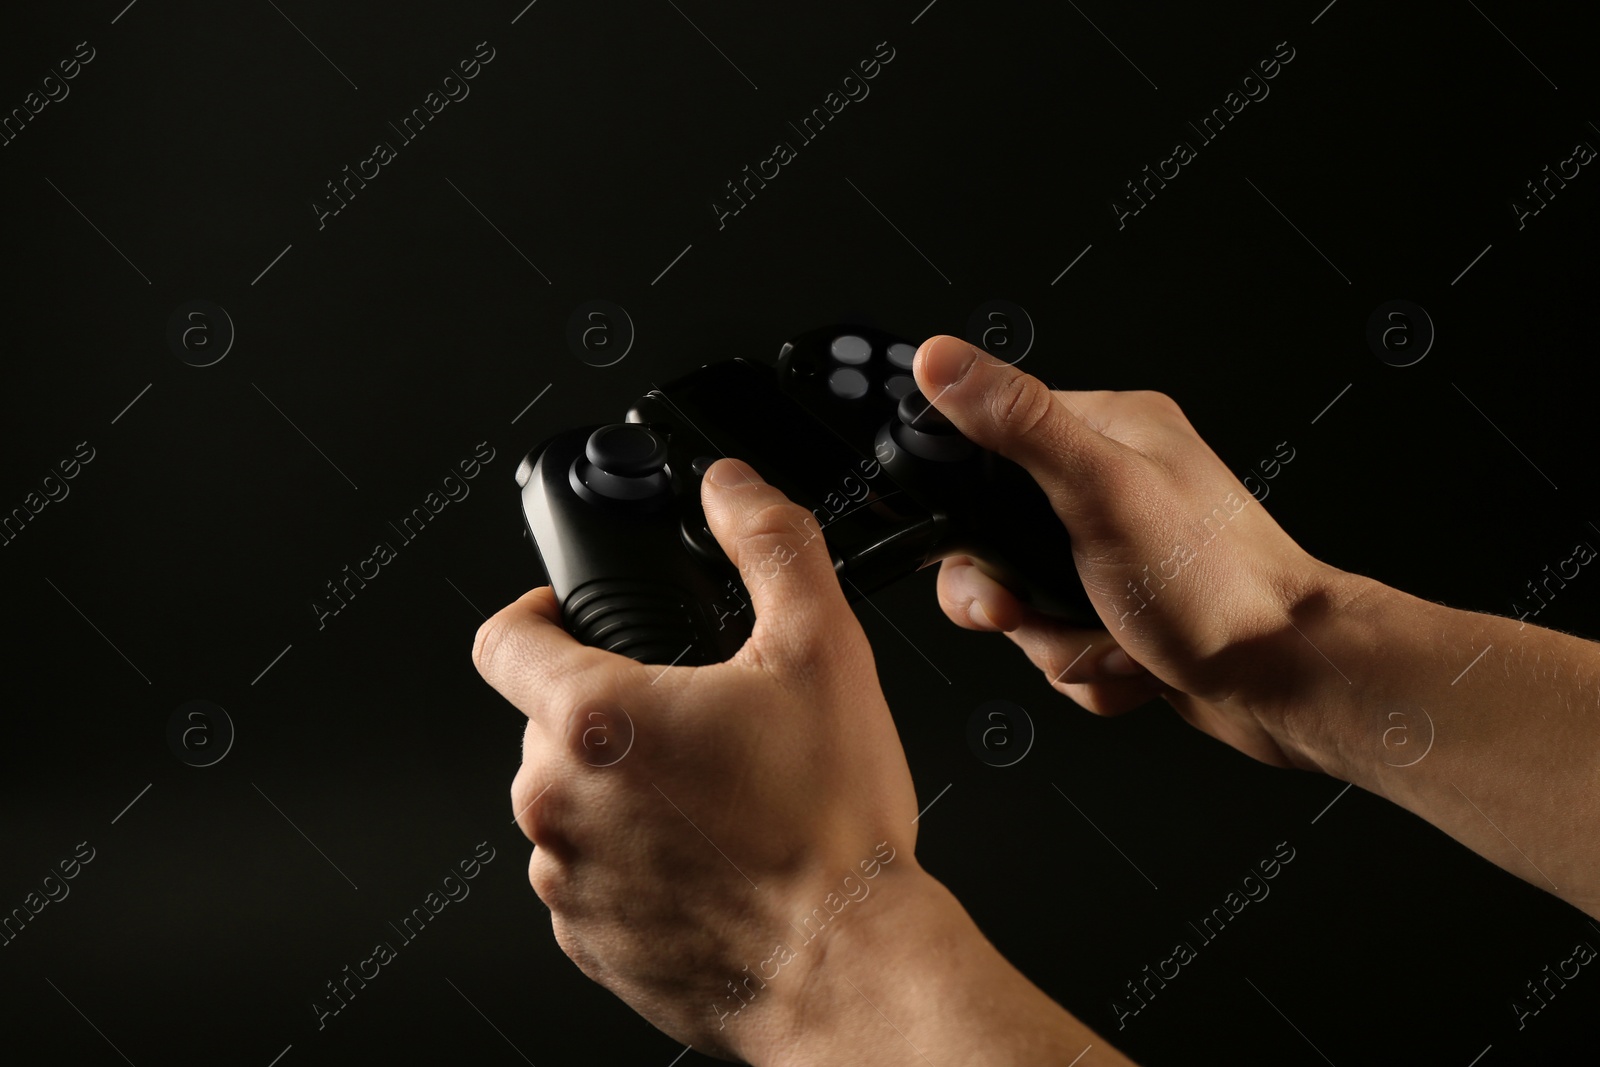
(841, 428)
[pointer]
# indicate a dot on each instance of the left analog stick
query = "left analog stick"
(624, 462)
(626, 449)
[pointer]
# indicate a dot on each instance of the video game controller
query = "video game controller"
(842, 429)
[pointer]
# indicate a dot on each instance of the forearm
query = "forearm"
(915, 982)
(1486, 727)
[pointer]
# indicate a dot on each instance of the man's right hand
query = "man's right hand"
(1482, 725)
(1192, 579)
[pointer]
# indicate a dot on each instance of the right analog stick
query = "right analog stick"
(915, 411)
(923, 430)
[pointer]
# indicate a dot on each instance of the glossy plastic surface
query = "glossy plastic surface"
(890, 488)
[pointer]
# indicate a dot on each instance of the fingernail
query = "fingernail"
(732, 474)
(946, 361)
(979, 617)
(1119, 662)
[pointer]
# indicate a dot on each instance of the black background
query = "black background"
(411, 327)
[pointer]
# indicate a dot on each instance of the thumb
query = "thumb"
(1001, 408)
(802, 618)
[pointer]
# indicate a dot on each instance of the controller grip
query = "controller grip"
(1041, 583)
(1027, 549)
(646, 621)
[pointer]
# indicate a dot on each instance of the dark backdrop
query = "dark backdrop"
(372, 352)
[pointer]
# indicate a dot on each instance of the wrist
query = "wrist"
(1321, 670)
(910, 978)
(865, 943)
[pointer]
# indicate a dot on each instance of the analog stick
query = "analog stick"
(922, 430)
(915, 411)
(627, 450)
(624, 462)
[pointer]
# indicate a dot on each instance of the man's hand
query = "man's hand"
(729, 848)
(684, 818)
(1193, 580)
(1285, 658)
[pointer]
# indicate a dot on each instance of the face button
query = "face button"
(847, 383)
(848, 348)
(698, 538)
(898, 385)
(902, 354)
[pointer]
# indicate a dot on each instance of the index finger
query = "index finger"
(522, 650)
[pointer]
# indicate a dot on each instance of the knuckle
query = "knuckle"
(777, 530)
(487, 643)
(1021, 404)
(532, 806)
(572, 702)
(954, 600)
(796, 655)
(1158, 401)
(1062, 669)
(549, 878)
(782, 517)
(590, 726)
